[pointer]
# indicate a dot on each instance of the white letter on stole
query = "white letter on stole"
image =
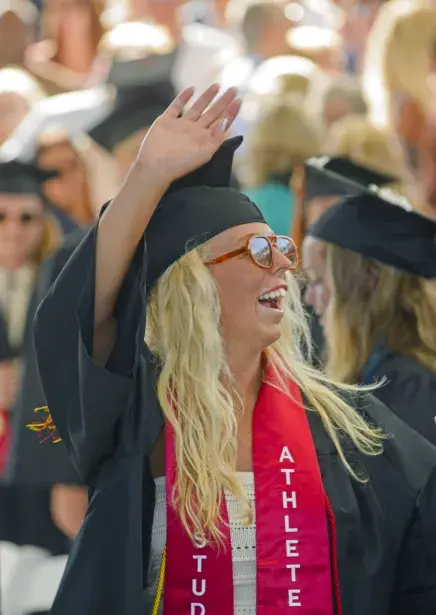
(288, 472)
(195, 590)
(288, 527)
(286, 454)
(197, 605)
(293, 568)
(199, 559)
(294, 597)
(291, 548)
(292, 499)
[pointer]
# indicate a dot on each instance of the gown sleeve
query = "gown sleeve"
(90, 403)
(415, 585)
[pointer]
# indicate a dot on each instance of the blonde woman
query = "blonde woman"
(197, 447)
(399, 69)
(281, 139)
(372, 268)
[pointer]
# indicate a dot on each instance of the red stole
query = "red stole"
(292, 539)
(5, 438)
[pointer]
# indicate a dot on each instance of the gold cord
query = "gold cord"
(160, 582)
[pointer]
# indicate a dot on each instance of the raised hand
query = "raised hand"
(178, 143)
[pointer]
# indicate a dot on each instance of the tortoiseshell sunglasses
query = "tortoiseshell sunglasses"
(260, 250)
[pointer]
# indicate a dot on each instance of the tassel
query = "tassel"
(46, 428)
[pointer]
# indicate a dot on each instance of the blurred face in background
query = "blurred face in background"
(318, 289)
(21, 229)
(69, 190)
(274, 34)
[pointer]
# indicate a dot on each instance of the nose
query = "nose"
(12, 228)
(280, 262)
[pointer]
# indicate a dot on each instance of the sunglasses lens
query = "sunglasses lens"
(286, 246)
(261, 252)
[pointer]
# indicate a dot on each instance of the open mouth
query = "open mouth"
(273, 299)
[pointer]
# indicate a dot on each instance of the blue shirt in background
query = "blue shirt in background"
(276, 203)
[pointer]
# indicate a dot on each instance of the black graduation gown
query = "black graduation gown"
(25, 517)
(30, 461)
(110, 418)
(410, 389)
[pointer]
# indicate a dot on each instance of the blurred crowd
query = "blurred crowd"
(80, 83)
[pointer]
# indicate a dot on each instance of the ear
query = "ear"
(411, 121)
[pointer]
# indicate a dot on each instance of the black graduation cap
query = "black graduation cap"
(381, 225)
(135, 108)
(18, 177)
(194, 209)
(339, 176)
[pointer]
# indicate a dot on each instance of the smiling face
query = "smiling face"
(247, 320)
(318, 290)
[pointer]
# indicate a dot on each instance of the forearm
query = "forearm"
(120, 231)
(68, 508)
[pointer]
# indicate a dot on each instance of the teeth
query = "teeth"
(275, 294)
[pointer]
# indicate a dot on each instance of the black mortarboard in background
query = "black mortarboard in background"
(380, 225)
(22, 178)
(135, 108)
(194, 209)
(339, 176)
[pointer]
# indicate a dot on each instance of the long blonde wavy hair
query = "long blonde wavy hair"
(198, 394)
(400, 311)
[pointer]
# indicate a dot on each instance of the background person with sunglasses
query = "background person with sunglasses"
(200, 437)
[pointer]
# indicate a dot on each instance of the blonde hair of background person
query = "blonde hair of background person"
(282, 136)
(357, 138)
(183, 312)
(400, 309)
(399, 57)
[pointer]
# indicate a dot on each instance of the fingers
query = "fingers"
(232, 112)
(218, 109)
(222, 125)
(178, 104)
(197, 109)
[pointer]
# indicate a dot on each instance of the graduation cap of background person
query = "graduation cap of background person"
(18, 177)
(337, 176)
(135, 109)
(73, 113)
(380, 224)
(194, 209)
(325, 176)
